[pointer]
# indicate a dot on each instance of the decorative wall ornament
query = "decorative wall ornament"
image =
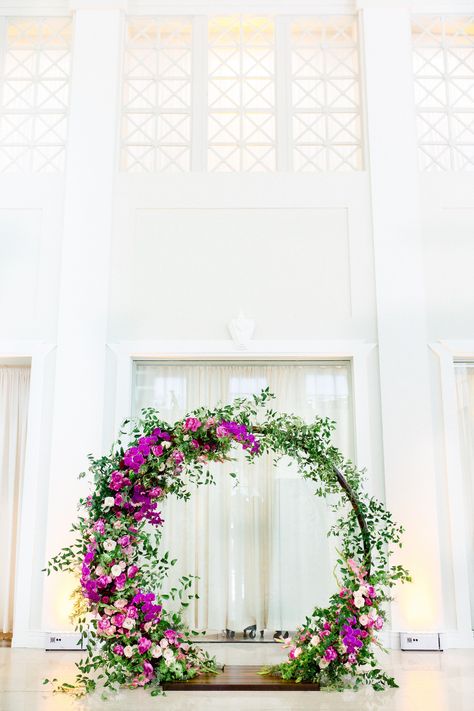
(241, 329)
(131, 638)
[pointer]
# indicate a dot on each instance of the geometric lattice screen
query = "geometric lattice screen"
(34, 93)
(443, 55)
(156, 115)
(325, 94)
(241, 93)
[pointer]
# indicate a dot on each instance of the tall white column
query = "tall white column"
(403, 348)
(80, 367)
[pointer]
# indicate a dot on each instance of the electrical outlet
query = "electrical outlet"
(420, 641)
(63, 641)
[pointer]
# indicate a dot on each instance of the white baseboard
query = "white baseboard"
(389, 639)
(29, 639)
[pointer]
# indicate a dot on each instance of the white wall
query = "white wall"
(309, 257)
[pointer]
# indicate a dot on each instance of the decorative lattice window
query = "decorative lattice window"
(443, 53)
(34, 93)
(241, 94)
(325, 95)
(156, 118)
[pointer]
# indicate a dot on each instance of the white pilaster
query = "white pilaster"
(77, 424)
(403, 347)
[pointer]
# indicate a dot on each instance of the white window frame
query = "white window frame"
(355, 352)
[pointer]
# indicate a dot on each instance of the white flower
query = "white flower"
(108, 502)
(100, 570)
(121, 603)
(123, 564)
(315, 640)
(358, 601)
(156, 652)
(168, 653)
(109, 544)
(364, 620)
(161, 468)
(166, 444)
(186, 437)
(373, 614)
(118, 524)
(128, 651)
(168, 662)
(110, 611)
(362, 590)
(116, 570)
(128, 623)
(323, 663)
(164, 643)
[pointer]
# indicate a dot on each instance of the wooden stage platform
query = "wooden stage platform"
(237, 677)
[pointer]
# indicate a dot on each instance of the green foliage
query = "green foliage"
(365, 532)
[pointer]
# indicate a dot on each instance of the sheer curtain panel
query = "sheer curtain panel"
(465, 394)
(14, 390)
(258, 545)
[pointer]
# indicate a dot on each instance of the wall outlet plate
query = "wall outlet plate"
(63, 641)
(420, 641)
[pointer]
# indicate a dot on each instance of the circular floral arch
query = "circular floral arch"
(131, 639)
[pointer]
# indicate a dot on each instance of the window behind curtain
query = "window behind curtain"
(259, 547)
(465, 394)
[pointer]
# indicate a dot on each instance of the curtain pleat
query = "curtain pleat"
(465, 393)
(14, 391)
(259, 546)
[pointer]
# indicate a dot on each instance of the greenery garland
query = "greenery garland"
(131, 639)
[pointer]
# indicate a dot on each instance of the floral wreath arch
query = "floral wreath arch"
(131, 639)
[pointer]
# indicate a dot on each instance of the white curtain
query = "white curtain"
(14, 390)
(465, 393)
(259, 546)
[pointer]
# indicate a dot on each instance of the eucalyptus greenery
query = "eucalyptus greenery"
(131, 639)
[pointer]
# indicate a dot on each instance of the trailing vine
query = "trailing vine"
(130, 637)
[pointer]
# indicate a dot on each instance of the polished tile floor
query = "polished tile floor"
(429, 681)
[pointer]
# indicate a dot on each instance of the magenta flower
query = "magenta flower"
(144, 645)
(132, 571)
(118, 649)
(99, 526)
(157, 450)
(124, 541)
(171, 636)
(103, 623)
(192, 424)
(148, 670)
(330, 654)
(118, 481)
(378, 624)
(118, 619)
(178, 456)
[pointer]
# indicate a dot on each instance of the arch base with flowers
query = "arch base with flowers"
(134, 635)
